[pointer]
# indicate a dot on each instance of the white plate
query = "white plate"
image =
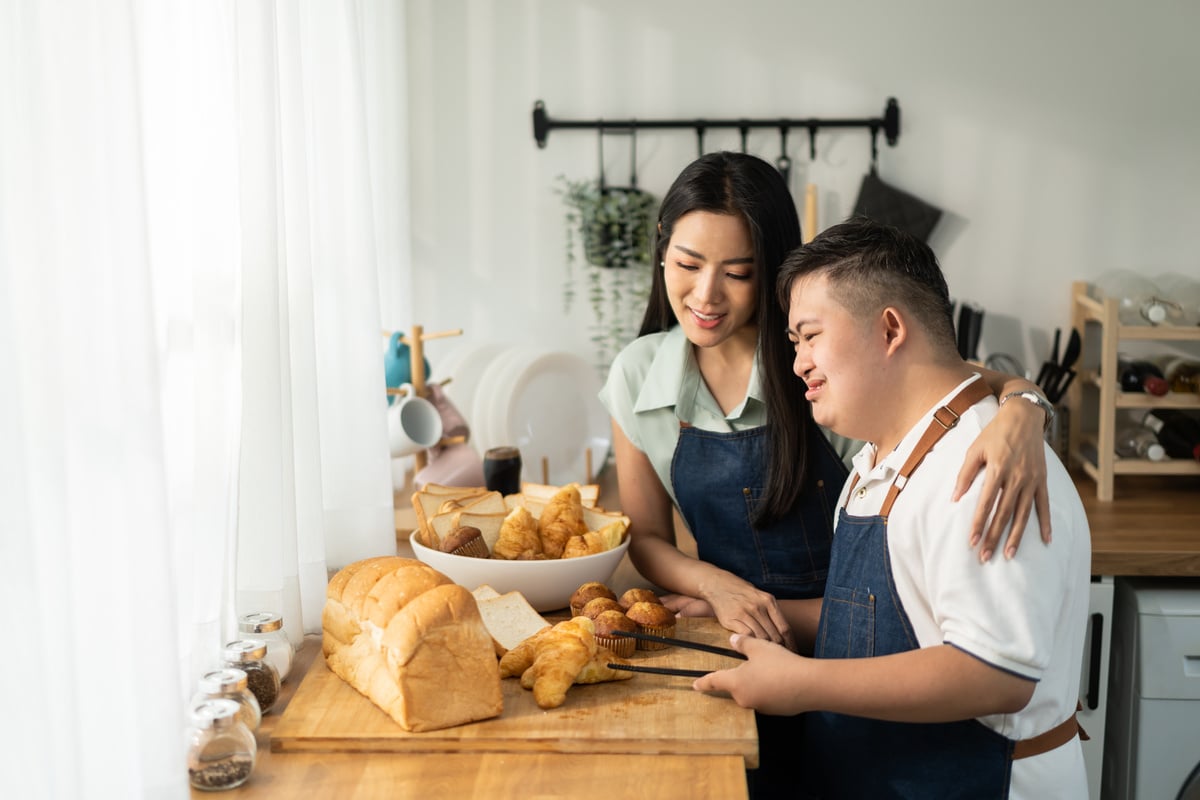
(465, 365)
(494, 385)
(550, 409)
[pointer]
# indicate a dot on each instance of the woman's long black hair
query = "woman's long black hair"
(745, 185)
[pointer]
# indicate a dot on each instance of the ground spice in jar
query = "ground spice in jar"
(262, 678)
(263, 685)
(223, 774)
(221, 749)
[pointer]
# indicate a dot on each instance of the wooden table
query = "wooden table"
(495, 776)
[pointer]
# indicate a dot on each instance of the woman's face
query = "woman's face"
(710, 276)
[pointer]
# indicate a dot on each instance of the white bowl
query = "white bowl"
(547, 585)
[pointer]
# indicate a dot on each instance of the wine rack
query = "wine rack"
(1095, 396)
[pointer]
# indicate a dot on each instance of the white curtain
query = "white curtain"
(193, 210)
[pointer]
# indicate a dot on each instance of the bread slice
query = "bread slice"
(510, 619)
(486, 503)
(435, 498)
(589, 493)
(484, 592)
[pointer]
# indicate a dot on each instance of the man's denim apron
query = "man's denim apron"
(862, 616)
(718, 478)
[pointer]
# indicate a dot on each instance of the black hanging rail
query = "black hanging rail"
(889, 123)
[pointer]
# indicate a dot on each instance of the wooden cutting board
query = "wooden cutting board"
(646, 714)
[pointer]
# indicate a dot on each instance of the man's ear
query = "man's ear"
(895, 329)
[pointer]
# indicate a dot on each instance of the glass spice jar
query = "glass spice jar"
(249, 655)
(221, 749)
(230, 684)
(268, 627)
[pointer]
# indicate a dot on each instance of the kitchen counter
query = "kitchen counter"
(1150, 527)
(495, 776)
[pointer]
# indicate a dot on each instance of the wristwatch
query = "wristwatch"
(1035, 398)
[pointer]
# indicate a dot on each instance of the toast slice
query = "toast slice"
(428, 502)
(541, 492)
(510, 619)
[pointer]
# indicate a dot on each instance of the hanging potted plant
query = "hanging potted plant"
(611, 227)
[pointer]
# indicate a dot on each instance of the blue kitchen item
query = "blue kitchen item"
(397, 364)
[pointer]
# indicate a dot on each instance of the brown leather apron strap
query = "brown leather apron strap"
(944, 418)
(1057, 736)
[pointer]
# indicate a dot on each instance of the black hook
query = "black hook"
(633, 154)
(874, 148)
(812, 141)
(700, 140)
(745, 129)
(600, 153)
(783, 163)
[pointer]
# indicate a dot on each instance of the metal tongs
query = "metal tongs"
(683, 673)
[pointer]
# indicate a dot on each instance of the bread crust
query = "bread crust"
(413, 642)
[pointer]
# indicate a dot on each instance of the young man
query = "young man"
(932, 676)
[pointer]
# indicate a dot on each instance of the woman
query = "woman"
(709, 419)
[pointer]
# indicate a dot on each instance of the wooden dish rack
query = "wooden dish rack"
(416, 350)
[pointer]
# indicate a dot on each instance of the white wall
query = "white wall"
(1060, 138)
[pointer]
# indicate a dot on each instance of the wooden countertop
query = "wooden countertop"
(1150, 527)
(455, 776)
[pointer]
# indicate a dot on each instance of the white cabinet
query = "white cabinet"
(1093, 683)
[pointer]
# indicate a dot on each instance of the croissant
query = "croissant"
(520, 658)
(561, 519)
(598, 671)
(518, 538)
(561, 654)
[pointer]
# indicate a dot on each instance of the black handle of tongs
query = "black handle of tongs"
(708, 648)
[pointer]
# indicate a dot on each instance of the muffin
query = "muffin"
(607, 623)
(589, 591)
(652, 618)
(592, 608)
(637, 596)
(466, 541)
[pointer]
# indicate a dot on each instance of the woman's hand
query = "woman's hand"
(685, 606)
(1011, 452)
(738, 606)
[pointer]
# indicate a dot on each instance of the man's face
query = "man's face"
(838, 357)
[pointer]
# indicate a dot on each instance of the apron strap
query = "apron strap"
(944, 418)
(1057, 736)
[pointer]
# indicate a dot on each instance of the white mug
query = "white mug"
(414, 424)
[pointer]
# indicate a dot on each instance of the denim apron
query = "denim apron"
(718, 478)
(862, 616)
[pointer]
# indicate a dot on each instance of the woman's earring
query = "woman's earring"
(662, 264)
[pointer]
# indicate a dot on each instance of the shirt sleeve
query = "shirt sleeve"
(620, 391)
(1003, 612)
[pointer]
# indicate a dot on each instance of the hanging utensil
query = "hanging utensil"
(783, 163)
(600, 155)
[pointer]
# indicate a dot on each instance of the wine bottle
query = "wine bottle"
(1137, 375)
(1181, 373)
(1133, 442)
(1176, 431)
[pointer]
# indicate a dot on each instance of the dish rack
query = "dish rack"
(416, 345)
(1096, 397)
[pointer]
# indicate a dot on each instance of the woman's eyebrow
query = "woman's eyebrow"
(726, 262)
